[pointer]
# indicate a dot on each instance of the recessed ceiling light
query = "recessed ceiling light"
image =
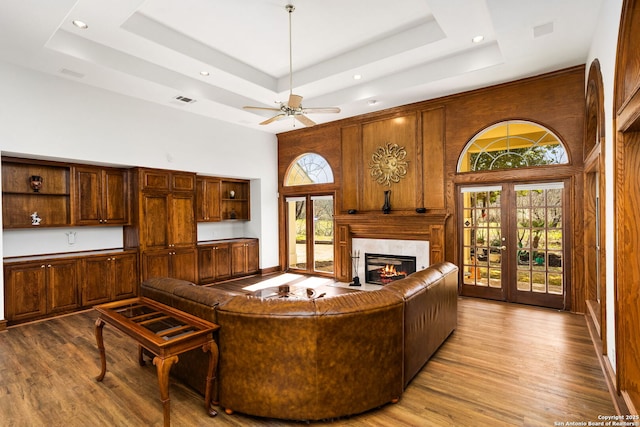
(477, 39)
(357, 77)
(204, 73)
(80, 24)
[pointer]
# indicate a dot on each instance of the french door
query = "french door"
(513, 241)
(310, 237)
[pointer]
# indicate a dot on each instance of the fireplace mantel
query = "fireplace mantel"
(406, 226)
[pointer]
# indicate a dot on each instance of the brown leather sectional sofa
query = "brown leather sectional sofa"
(314, 359)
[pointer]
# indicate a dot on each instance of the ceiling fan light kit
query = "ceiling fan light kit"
(293, 107)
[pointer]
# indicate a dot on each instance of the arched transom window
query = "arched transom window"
(308, 169)
(512, 144)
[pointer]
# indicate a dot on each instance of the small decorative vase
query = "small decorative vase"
(233, 214)
(232, 194)
(386, 208)
(36, 183)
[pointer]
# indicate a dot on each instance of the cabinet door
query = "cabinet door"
(208, 199)
(88, 196)
(238, 259)
(253, 256)
(222, 256)
(25, 291)
(206, 267)
(155, 264)
(182, 223)
(184, 264)
(154, 222)
(183, 181)
(115, 196)
(154, 179)
(62, 286)
(125, 276)
(96, 280)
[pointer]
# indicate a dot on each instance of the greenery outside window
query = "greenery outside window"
(512, 144)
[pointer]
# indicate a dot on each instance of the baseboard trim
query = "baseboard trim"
(271, 270)
(630, 406)
(619, 402)
(3, 325)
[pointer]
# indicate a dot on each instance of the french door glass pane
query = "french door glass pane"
(482, 237)
(297, 232)
(323, 233)
(540, 238)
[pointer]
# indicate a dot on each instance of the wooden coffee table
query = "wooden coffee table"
(164, 331)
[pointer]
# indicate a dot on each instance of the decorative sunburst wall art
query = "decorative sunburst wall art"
(388, 164)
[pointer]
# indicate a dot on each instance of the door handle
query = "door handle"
(503, 248)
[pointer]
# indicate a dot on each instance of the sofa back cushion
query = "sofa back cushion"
(310, 359)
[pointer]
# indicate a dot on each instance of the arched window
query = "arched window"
(512, 144)
(308, 169)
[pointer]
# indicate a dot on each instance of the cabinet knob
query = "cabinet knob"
(42, 266)
(48, 265)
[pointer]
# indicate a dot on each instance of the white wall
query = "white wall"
(52, 117)
(603, 48)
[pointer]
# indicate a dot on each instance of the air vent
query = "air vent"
(542, 30)
(184, 99)
(71, 73)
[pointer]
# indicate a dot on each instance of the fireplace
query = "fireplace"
(381, 269)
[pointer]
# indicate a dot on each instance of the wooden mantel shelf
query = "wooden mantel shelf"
(408, 226)
(400, 225)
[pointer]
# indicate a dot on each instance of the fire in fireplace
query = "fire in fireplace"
(381, 269)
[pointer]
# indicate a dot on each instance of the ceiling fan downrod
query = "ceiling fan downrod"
(290, 8)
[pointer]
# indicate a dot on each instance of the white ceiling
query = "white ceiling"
(405, 50)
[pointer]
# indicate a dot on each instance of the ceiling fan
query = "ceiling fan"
(293, 108)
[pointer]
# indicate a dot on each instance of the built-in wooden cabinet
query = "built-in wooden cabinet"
(180, 263)
(234, 199)
(167, 220)
(109, 277)
(50, 194)
(245, 257)
(163, 227)
(22, 199)
(102, 196)
(208, 199)
(214, 262)
(39, 288)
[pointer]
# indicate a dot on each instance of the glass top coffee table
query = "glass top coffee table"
(163, 331)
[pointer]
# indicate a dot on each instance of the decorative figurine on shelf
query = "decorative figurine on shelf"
(232, 214)
(355, 259)
(36, 183)
(232, 194)
(35, 219)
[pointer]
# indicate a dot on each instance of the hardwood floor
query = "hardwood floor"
(505, 365)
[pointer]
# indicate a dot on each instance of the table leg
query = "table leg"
(212, 348)
(141, 356)
(103, 357)
(163, 366)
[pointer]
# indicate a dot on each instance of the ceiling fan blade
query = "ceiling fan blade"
(321, 110)
(305, 120)
(294, 101)
(248, 107)
(273, 119)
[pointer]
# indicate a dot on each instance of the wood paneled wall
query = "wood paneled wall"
(627, 205)
(434, 134)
